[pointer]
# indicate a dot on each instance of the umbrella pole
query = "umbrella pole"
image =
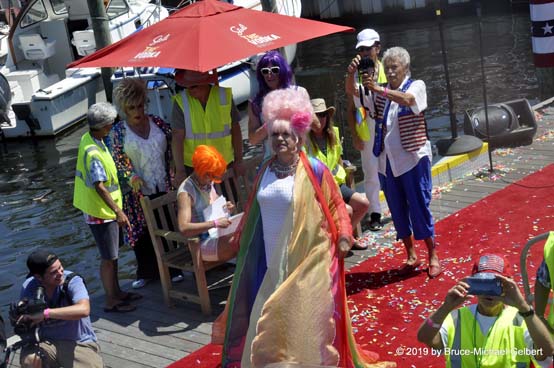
(102, 36)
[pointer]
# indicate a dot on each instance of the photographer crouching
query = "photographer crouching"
(65, 334)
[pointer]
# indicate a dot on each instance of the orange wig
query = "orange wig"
(207, 160)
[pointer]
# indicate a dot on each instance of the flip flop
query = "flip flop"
(434, 270)
(121, 307)
(131, 297)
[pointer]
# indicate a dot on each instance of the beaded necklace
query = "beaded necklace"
(282, 171)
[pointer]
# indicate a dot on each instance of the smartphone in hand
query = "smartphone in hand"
(484, 284)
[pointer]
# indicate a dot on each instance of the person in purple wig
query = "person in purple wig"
(272, 72)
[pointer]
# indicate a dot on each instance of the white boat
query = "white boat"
(38, 96)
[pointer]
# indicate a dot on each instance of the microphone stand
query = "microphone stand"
(456, 145)
(478, 9)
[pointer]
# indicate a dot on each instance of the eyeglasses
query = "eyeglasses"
(272, 70)
(322, 114)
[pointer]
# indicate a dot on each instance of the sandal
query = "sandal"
(121, 307)
(131, 297)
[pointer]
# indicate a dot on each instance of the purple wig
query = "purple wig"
(271, 58)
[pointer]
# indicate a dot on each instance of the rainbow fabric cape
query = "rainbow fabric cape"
(294, 309)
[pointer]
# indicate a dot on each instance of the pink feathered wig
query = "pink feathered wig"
(290, 107)
(207, 160)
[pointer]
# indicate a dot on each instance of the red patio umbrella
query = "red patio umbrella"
(206, 35)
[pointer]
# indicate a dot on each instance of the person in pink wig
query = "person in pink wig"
(288, 302)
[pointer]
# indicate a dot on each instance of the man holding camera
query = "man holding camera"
(360, 115)
(67, 337)
(501, 330)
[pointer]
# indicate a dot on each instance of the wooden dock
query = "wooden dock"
(154, 335)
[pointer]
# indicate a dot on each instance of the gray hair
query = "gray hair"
(129, 92)
(399, 54)
(101, 114)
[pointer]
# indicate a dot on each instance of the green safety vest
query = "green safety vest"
(85, 196)
(549, 260)
(210, 126)
(331, 160)
(497, 350)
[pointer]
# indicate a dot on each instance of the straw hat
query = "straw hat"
(319, 106)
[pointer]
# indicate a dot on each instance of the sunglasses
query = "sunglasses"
(321, 114)
(272, 70)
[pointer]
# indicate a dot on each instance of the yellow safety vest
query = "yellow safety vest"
(85, 196)
(381, 78)
(210, 126)
(549, 260)
(498, 349)
(331, 160)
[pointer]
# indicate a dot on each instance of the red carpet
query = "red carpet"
(387, 309)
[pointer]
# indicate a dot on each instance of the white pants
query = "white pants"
(208, 249)
(370, 167)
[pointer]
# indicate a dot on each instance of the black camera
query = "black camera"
(24, 329)
(366, 65)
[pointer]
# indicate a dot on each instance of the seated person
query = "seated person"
(501, 325)
(195, 194)
(324, 143)
(67, 337)
(543, 283)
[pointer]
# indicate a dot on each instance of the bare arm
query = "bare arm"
(537, 329)
(74, 312)
(121, 218)
(184, 216)
(402, 98)
(428, 332)
(236, 137)
(177, 150)
(256, 131)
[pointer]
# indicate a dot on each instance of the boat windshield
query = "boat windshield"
(59, 6)
(33, 15)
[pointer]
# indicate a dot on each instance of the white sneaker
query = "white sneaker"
(177, 278)
(139, 283)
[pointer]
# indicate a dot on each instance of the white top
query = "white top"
(485, 324)
(402, 161)
(275, 199)
(148, 157)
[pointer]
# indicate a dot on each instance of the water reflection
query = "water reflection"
(44, 171)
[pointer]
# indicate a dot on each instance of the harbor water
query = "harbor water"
(36, 178)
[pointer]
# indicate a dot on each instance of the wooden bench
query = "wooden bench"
(175, 250)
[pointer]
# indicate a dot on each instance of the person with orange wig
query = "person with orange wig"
(195, 194)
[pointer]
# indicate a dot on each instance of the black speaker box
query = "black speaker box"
(511, 123)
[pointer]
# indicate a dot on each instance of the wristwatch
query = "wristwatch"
(529, 313)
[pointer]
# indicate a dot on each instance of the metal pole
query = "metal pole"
(491, 169)
(453, 122)
(101, 29)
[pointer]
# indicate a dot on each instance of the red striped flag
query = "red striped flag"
(542, 32)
